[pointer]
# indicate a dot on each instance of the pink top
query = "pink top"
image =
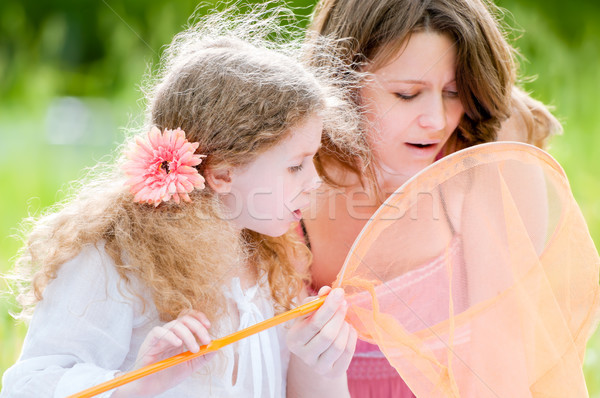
(369, 373)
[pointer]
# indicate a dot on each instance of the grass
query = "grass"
(34, 174)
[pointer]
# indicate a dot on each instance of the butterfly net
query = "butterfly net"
(478, 278)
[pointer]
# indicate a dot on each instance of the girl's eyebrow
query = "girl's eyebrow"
(309, 153)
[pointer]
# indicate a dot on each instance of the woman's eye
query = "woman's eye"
(295, 169)
(451, 93)
(405, 97)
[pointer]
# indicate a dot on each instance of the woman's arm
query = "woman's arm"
(504, 224)
(321, 346)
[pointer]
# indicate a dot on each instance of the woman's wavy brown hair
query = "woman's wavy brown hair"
(237, 96)
(373, 31)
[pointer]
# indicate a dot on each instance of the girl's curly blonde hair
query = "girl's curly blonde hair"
(235, 88)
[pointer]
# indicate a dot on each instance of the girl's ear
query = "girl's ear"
(219, 179)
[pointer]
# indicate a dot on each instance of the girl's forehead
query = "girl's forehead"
(301, 140)
(306, 134)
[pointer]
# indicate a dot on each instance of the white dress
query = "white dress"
(89, 326)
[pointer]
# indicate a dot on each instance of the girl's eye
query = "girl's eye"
(451, 93)
(405, 97)
(295, 169)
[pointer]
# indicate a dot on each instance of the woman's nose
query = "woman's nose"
(433, 116)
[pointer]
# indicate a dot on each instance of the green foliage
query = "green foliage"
(71, 71)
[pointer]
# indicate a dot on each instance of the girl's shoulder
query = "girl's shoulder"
(92, 265)
(91, 279)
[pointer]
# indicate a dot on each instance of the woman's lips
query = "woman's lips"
(423, 149)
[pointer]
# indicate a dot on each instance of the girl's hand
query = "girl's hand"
(188, 332)
(324, 340)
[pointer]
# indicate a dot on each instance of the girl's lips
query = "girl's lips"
(297, 214)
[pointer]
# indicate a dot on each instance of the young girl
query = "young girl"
(440, 78)
(185, 238)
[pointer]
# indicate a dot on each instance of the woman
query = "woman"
(439, 77)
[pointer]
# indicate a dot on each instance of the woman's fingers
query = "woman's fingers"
(324, 290)
(325, 340)
(328, 331)
(314, 323)
(311, 324)
(335, 348)
(343, 360)
(339, 340)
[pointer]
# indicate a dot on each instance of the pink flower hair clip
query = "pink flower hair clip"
(163, 167)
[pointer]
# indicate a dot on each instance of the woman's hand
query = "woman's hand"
(323, 340)
(187, 332)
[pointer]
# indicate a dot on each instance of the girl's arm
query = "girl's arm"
(321, 346)
(187, 332)
(80, 332)
(81, 335)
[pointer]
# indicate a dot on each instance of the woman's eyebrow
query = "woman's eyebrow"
(414, 81)
(410, 81)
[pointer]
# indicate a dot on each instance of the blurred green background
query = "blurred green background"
(70, 72)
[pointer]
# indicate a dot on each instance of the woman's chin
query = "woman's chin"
(395, 176)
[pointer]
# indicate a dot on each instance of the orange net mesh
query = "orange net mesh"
(478, 278)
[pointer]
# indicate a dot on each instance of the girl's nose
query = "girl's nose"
(313, 181)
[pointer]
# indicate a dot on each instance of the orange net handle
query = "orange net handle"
(205, 349)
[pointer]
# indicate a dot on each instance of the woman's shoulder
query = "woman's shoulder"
(332, 225)
(531, 121)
